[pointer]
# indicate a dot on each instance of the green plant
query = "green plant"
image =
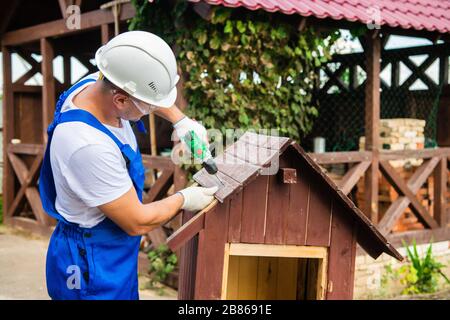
(162, 262)
(242, 69)
(421, 275)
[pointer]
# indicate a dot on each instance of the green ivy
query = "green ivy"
(242, 69)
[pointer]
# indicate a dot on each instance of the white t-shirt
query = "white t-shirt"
(88, 167)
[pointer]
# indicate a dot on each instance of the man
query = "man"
(92, 177)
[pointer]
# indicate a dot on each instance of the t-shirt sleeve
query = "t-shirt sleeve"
(97, 174)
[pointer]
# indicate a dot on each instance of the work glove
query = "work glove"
(185, 125)
(197, 198)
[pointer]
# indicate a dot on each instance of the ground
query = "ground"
(22, 269)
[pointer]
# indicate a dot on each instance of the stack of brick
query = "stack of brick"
(401, 134)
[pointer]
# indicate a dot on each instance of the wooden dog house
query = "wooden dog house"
(279, 229)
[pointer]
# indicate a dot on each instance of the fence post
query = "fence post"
(372, 122)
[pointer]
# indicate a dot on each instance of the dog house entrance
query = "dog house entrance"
(273, 272)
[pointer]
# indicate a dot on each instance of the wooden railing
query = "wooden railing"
(435, 163)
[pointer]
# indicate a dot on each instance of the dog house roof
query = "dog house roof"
(251, 156)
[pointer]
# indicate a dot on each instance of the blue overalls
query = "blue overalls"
(90, 263)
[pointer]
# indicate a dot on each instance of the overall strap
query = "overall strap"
(68, 92)
(86, 117)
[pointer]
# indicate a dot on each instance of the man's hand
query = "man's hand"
(197, 198)
(186, 125)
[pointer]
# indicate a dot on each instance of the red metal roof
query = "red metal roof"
(430, 15)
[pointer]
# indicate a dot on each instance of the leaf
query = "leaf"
(241, 26)
(228, 27)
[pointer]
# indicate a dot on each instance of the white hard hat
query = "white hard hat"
(142, 64)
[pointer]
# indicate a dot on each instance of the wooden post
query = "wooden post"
(67, 71)
(107, 33)
(372, 122)
(48, 86)
(440, 190)
(188, 265)
(8, 132)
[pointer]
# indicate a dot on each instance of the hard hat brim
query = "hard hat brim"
(167, 102)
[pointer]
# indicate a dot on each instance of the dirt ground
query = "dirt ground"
(22, 269)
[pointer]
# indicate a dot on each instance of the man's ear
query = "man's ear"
(119, 99)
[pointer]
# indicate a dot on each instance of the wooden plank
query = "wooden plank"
(30, 179)
(272, 250)
(372, 122)
(107, 32)
(417, 154)
(322, 278)
(312, 279)
(265, 141)
(341, 157)
(8, 184)
(159, 189)
(352, 176)
(319, 216)
(233, 278)
(395, 210)
(440, 192)
(188, 264)
(266, 287)
(157, 162)
(401, 187)
(227, 186)
(25, 148)
(287, 279)
(248, 278)
(421, 236)
(210, 261)
(341, 255)
(48, 87)
(277, 211)
(254, 209)
(234, 225)
(34, 200)
(88, 20)
(297, 214)
(186, 232)
(225, 272)
(302, 276)
(190, 227)
(252, 154)
(21, 88)
(235, 168)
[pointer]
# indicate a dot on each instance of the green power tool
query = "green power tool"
(201, 152)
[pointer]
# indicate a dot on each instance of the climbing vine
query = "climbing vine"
(242, 69)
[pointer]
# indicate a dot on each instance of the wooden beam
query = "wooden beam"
(157, 162)
(67, 67)
(402, 202)
(417, 154)
(352, 176)
(107, 32)
(420, 236)
(372, 122)
(160, 187)
(273, 250)
(8, 130)
(186, 232)
(440, 193)
(63, 6)
(24, 148)
(401, 187)
(48, 87)
(88, 20)
(341, 157)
